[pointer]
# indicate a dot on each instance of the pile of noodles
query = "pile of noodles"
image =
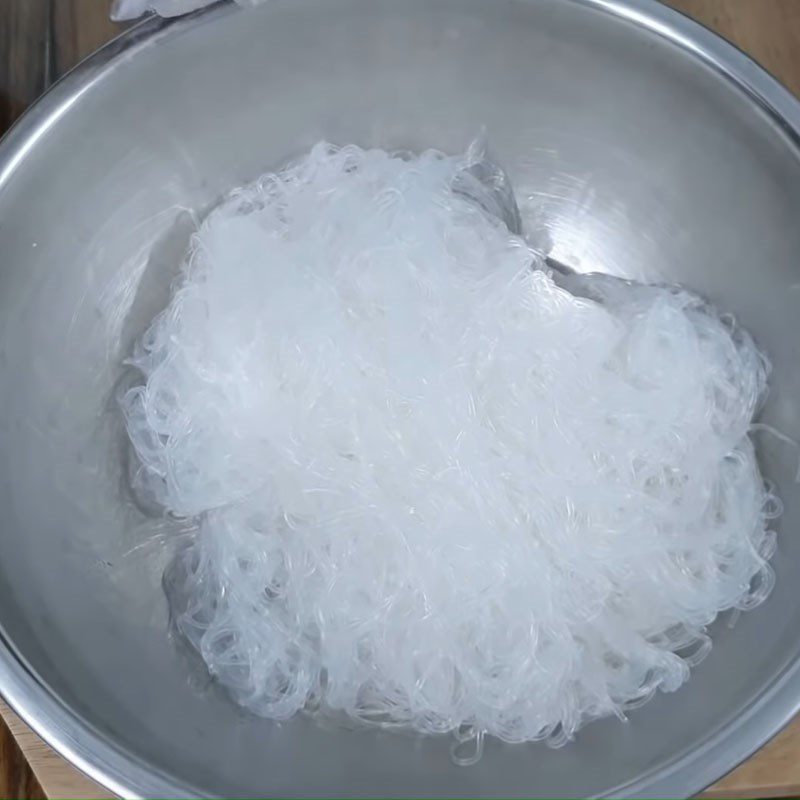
(432, 488)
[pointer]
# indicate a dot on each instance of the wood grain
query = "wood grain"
(57, 778)
(769, 30)
(24, 26)
(80, 27)
(40, 39)
(773, 772)
(16, 776)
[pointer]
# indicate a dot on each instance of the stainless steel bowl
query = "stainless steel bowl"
(640, 144)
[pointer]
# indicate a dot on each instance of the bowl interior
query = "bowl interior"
(629, 155)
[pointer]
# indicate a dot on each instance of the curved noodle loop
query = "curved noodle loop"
(433, 488)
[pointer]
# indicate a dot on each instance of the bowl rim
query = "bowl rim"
(94, 753)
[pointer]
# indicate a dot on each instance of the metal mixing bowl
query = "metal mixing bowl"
(639, 144)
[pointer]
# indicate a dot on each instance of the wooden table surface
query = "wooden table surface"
(41, 39)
